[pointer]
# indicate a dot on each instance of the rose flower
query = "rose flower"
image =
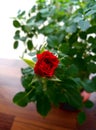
(46, 64)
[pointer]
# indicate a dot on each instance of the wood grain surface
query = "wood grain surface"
(13, 117)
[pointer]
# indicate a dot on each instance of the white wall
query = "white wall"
(8, 9)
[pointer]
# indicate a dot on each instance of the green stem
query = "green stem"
(44, 84)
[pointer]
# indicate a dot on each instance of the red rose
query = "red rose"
(46, 64)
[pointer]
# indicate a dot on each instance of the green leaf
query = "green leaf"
(33, 53)
(30, 35)
(89, 104)
(53, 93)
(71, 28)
(91, 39)
(81, 118)
(61, 37)
(84, 25)
(72, 70)
(32, 96)
(16, 24)
(26, 81)
(20, 14)
(83, 35)
(15, 45)
(31, 21)
(91, 67)
(17, 35)
(29, 45)
(33, 8)
(74, 97)
(23, 38)
(40, 1)
(21, 99)
(64, 48)
(37, 24)
(52, 41)
(45, 10)
(27, 70)
(26, 28)
(89, 85)
(90, 12)
(94, 79)
(77, 19)
(91, 29)
(31, 63)
(47, 30)
(43, 105)
(55, 79)
(73, 38)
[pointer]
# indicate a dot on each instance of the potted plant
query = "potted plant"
(58, 69)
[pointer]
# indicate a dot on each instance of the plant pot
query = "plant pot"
(65, 106)
(85, 95)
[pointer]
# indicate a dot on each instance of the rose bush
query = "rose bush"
(59, 68)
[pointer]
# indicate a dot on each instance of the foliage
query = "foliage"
(69, 27)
